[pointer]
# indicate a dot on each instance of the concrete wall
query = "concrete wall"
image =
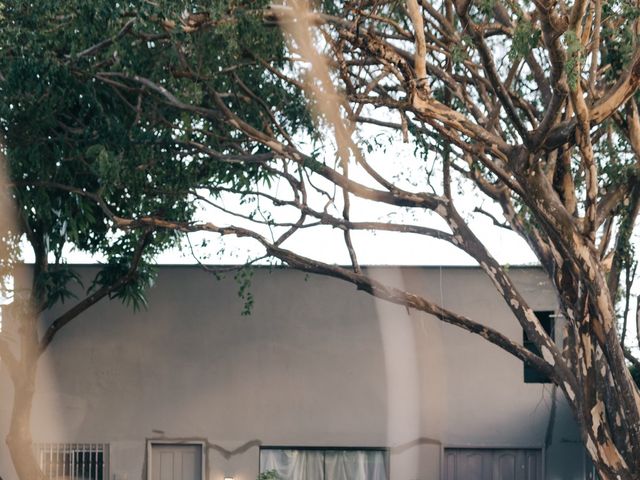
(317, 363)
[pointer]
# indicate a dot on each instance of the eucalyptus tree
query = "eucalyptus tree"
(77, 139)
(532, 105)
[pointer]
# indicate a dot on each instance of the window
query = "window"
(74, 461)
(531, 374)
(297, 463)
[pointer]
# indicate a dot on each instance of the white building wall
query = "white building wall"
(317, 363)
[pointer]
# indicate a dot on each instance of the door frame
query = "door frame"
(456, 446)
(177, 441)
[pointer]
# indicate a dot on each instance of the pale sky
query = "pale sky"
(399, 162)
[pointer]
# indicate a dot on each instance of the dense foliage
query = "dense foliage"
(121, 118)
(73, 121)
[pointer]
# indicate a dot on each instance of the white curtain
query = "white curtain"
(325, 464)
(293, 464)
(355, 465)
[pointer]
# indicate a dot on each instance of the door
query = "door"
(492, 464)
(176, 462)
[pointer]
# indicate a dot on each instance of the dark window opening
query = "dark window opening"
(531, 374)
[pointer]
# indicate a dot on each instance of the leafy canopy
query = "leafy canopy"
(74, 121)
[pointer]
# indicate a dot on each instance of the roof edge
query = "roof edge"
(259, 266)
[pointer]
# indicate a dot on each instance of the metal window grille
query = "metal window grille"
(74, 461)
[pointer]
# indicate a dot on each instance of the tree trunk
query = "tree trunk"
(19, 438)
(608, 468)
(607, 457)
(22, 369)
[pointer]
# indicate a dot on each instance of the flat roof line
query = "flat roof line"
(260, 266)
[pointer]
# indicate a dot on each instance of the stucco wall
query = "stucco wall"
(317, 363)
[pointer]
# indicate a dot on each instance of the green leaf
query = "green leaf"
(525, 38)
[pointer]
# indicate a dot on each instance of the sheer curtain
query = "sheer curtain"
(291, 464)
(355, 465)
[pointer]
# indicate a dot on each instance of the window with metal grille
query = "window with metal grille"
(74, 461)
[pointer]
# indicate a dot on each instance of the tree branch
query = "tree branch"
(107, 42)
(361, 280)
(95, 297)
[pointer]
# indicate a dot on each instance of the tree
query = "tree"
(533, 106)
(77, 141)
